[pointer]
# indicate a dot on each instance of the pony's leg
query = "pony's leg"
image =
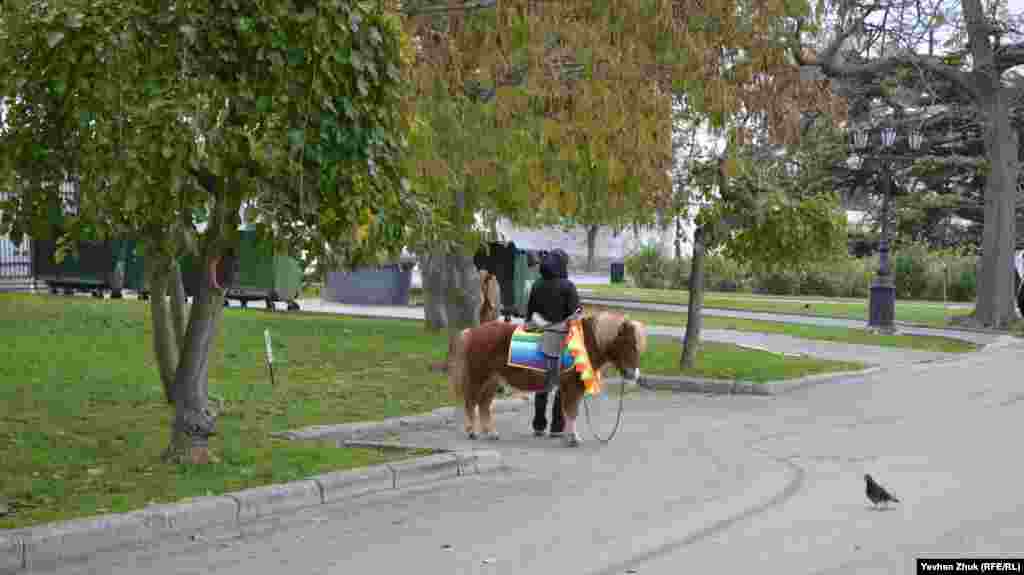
(572, 394)
(487, 393)
(469, 419)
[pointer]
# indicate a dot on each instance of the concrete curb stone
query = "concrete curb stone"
(478, 462)
(270, 499)
(46, 546)
(12, 557)
(196, 513)
(354, 483)
(425, 469)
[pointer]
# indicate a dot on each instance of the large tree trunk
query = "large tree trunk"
(435, 312)
(165, 343)
(591, 246)
(679, 238)
(696, 303)
(995, 299)
(179, 309)
(995, 285)
(194, 422)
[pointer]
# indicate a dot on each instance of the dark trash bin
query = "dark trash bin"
(618, 272)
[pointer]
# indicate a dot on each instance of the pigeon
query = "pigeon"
(876, 493)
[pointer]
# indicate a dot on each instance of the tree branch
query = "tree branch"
(833, 67)
(1009, 56)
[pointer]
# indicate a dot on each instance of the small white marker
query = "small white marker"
(270, 356)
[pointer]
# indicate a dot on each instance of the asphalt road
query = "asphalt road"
(692, 484)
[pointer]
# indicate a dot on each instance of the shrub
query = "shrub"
(910, 266)
(648, 268)
(724, 274)
(778, 283)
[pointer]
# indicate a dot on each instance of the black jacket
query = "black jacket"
(554, 296)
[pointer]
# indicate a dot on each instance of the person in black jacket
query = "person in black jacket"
(554, 298)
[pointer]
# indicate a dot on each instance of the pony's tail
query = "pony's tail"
(457, 368)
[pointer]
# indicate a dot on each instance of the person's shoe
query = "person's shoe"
(539, 433)
(572, 440)
(556, 434)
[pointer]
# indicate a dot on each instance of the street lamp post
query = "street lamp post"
(882, 302)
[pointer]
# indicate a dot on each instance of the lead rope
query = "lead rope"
(618, 416)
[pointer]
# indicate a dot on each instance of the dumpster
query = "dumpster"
(382, 285)
(618, 272)
(516, 270)
(260, 274)
(98, 267)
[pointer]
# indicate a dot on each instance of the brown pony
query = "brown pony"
(479, 359)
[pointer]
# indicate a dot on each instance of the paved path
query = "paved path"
(692, 484)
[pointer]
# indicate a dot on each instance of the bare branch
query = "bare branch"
(1009, 56)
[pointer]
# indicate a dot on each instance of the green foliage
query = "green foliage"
(167, 115)
(648, 268)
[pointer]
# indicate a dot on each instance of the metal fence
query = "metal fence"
(16, 266)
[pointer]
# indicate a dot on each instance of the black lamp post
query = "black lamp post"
(882, 304)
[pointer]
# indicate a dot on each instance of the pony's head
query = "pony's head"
(620, 341)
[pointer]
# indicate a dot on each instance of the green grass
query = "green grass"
(925, 313)
(85, 421)
(84, 418)
(836, 334)
(732, 362)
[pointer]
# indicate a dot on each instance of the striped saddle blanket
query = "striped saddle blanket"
(526, 352)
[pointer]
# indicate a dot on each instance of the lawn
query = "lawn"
(836, 334)
(727, 361)
(933, 314)
(85, 421)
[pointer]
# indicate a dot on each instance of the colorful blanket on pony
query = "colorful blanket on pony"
(525, 352)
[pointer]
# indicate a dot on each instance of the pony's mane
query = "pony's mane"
(606, 327)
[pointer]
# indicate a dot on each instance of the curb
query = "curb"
(730, 387)
(48, 546)
(353, 431)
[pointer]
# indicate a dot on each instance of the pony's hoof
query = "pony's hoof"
(471, 435)
(492, 436)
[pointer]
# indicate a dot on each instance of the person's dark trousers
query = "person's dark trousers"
(540, 407)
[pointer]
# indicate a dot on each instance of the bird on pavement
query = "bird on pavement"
(876, 493)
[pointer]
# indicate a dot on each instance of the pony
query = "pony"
(479, 359)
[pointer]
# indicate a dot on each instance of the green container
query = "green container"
(97, 267)
(263, 275)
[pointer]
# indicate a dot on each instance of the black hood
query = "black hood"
(555, 265)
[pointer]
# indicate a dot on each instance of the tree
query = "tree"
(171, 119)
(891, 35)
(777, 210)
